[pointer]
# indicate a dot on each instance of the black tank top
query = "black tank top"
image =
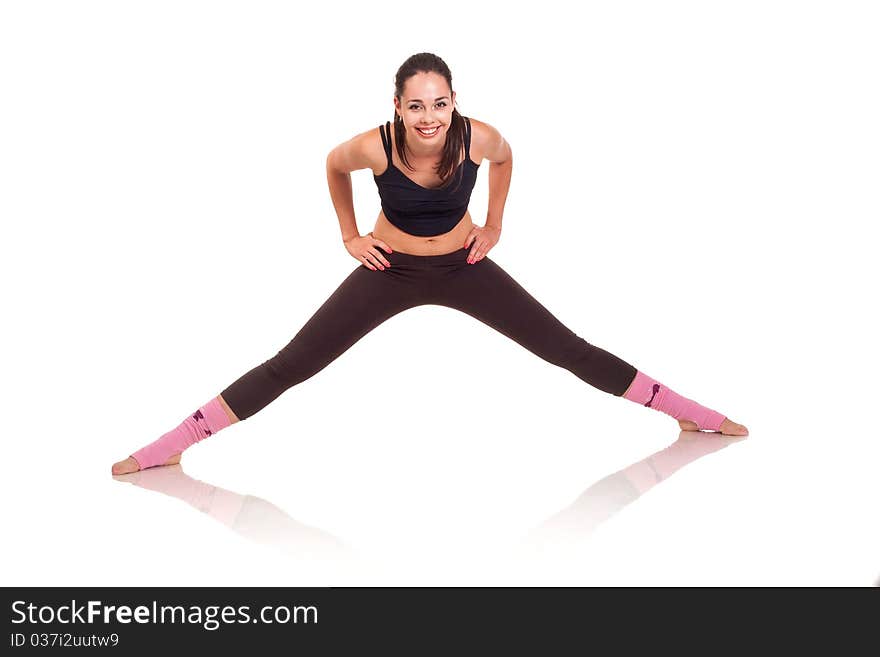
(425, 211)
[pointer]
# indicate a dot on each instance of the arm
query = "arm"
(342, 160)
(498, 152)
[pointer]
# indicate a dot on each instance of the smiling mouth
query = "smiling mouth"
(429, 133)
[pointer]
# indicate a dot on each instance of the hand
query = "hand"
(363, 249)
(483, 238)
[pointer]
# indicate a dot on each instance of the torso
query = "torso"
(425, 176)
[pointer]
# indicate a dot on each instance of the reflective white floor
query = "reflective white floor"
(167, 226)
(608, 494)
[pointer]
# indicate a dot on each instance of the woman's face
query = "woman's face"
(426, 104)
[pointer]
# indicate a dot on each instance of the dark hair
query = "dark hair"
(426, 62)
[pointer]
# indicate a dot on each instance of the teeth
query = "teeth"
(427, 132)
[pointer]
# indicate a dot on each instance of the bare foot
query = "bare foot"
(728, 427)
(130, 465)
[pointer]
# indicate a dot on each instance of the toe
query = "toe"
(125, 466)
(736, 429)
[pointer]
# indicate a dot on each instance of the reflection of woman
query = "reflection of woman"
(612, 493)
(252, 517)
(424, 249)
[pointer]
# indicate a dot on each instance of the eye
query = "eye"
(413, 107)
(442, 103)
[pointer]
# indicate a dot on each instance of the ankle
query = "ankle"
(204, 422)
(651, 393)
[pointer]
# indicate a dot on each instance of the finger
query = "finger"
(472, 256)
(367, 262)
(384, 246)
(379, 257)
(374, 259)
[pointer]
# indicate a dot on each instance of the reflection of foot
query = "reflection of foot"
(171, 480)
(130, 465)
(246, 515)
(689, 446)
(728, 427)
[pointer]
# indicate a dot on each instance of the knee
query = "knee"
(289, 368)
(575, 346)
(576, 351)
(283, 369)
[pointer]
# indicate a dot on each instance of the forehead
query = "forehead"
(425, 85)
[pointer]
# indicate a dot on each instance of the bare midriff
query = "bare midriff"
(404, 242)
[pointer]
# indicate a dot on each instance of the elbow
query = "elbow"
(334, 166)
(506, 152)
(506, 162)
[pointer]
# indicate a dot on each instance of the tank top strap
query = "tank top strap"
(386, 141)
(467, 137)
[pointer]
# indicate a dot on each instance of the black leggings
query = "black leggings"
(367, 297)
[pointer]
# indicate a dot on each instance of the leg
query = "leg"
(488, 293)
(365, 299)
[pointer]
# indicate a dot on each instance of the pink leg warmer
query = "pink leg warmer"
(209, 419)
(648, 392)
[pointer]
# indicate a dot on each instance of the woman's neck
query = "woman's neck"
(434, 154)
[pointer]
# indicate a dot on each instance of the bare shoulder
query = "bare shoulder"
(487, 142)
(363, 151)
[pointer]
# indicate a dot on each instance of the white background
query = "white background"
(695, 190)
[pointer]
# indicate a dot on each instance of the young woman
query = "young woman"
(424, 249)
